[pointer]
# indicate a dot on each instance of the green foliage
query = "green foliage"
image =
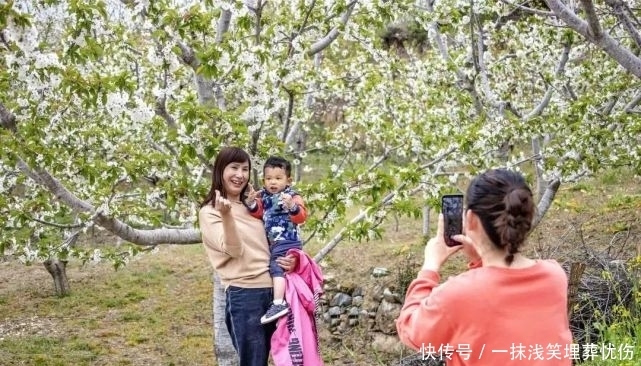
(619, 337)
(126, 105)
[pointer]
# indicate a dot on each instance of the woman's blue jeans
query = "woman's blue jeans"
(251, 339)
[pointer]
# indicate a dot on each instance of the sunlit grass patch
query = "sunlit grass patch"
(156, 310)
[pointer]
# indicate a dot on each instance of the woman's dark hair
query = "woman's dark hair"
(225, 157)
(503, 202)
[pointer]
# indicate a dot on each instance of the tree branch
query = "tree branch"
(594, 27)
(141, 237)
(623, 56)
(309, 102)
(222, 28)
(322, 43)
(204, 87)
(529, 10)
(610, 105)
(223, 25)
(363, 214)
(60, 226)
(288, 116)
(463, 80)
(622, 12)
(7, 119)
(546, 201)
(565, 55)
(188, 56)
(161, 107)
(115, 226)
(633, 103)
(480, 58)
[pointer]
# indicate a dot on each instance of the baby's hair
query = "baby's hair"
(503, 202)
(279, 162)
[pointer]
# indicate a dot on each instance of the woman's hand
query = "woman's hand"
(222, 204)
(251, 195)
(287, 263)
(469, 248)
(436, 251)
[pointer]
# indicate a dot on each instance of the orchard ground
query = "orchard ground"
(158, 309)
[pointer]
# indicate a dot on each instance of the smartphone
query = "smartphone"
(452, 209)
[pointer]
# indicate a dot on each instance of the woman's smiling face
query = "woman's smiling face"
(235, 177)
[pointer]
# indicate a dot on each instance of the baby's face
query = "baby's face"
(276, 179)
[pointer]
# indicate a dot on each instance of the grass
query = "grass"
(154, 311)
(157, 309)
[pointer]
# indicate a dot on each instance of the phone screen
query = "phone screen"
(452, 208)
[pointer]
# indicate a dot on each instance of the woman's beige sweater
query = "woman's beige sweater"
(242, 262)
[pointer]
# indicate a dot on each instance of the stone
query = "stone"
(354, 311)
(377, 292)
(392, 297)
(380, 272)
(341, 299)
(358, 291)
(327, 317)
(357, 300)
(335, 311)
(386, 316)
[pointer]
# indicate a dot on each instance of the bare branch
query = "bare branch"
(383, 202)
(188, 56)
(633, 103)
(60, 226)
(610, 106)
(115, 226)
(223, 25)
(623, 56)
(546, 201)
(480, 60)
(594, 27)
(622, 12)
(161, 108)
(24, 168)
(288, 116)
(530, 10)
(548, 94)
(463, 80)
(322, 43)
(7, 119)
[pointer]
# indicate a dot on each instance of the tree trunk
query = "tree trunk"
(58, 270)
(223, 348)
(426, 220)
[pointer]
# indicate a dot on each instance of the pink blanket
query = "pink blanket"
(295, 341)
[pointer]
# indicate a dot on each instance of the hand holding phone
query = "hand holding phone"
(452, 209)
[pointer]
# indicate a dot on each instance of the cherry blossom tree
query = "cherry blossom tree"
(111, 111)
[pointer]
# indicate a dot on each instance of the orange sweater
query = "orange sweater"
(490, 316)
